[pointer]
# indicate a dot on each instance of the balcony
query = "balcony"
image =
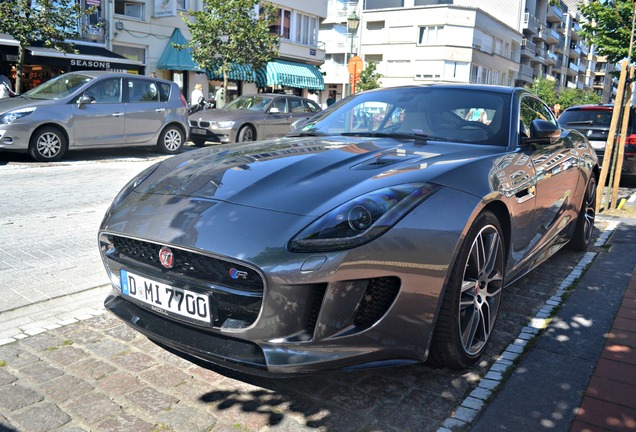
(575, 50)
(539, 56)
(555, 14)
(551, 58)
(551, 36)
(528, 48)
(572, 70)
(584, 50)
(559, 47)
(530, 23)
(526, 74)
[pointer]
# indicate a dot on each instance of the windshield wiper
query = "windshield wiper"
(305, 134)
(580, 122)
(413, 135)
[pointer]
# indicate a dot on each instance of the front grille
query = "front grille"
(236, 290)
(377, 299)
(193, 265)
(199, 123)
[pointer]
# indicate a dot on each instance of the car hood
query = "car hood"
(309, 176)
(9, 104)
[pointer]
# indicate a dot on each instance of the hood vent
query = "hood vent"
(384, 160)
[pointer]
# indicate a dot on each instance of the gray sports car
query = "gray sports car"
(382, 232)
(250, 118)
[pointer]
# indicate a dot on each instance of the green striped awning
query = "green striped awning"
(237, 72)
(290, 74)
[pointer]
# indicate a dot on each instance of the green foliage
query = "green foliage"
(545, 88)
(369, 78)
(609, 27)
(49, 21)
(570, 97)
(229, 31)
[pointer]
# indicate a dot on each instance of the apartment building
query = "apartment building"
(508, 42)
(137, 35)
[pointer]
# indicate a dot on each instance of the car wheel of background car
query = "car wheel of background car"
(171, 140)
(198, 142)
(585, 221)
(471, 301)
(245, 134)
(47, 144)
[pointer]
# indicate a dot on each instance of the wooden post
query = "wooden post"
(620, 154)
(609, 145)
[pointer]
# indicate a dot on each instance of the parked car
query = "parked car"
(94, 109)
(250, 118)
(357, 241)
(594, 121)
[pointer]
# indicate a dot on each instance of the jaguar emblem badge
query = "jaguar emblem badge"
(166, 257)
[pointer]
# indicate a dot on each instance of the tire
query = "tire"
(198, 142)
(245, 134)
(48, 144)
(471, 302)
(171, 140)
(585, 222)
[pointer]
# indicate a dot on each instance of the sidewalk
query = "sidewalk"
(580, 375)
(90, 372)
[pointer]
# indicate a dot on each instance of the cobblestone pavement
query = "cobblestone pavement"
(93, 373)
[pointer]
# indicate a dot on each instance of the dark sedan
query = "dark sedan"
(250, 118)
(384, 231)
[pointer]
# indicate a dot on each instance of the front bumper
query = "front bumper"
(215, 135)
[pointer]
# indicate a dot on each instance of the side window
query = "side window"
(312, 106)
(142, 91)
(533, 109)
(107, 91)
(296, 106)
(280, 104)
(164, 92)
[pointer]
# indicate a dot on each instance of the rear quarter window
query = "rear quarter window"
(589, 117)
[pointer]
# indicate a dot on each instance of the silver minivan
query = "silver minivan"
(94, 109)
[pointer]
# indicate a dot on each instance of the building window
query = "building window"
(306, 30)
(131, 53)
(129, 9)
(182, 4)
(430, 35)
(373, 58)
(282, 25)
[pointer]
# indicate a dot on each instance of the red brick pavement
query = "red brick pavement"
(609, 403)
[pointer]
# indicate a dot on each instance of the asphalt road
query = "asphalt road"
(48, 251)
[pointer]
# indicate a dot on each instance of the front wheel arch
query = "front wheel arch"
(40, 154)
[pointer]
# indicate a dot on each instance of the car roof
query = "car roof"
(460, 86)
(100, 73)
(600, 107)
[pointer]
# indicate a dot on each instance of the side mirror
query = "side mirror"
(85, 99)
(543, 132)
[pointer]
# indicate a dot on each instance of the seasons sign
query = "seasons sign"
(91, 64)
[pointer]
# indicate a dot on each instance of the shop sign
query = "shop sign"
(165, 8)
(92, 64)
(12, 58)
(96, 3)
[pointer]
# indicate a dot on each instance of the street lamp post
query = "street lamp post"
(353, 21)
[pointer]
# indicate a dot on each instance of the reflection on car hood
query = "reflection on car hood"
(306, 176)
(9, 104)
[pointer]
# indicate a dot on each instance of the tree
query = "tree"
(570, 97)
(228, 32)
(369, 78)
(608, 27)
(51, 21)
(545, 88)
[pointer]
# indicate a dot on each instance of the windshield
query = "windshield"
(58, 88)
(596, 117)
(252, 103)
(475, 116)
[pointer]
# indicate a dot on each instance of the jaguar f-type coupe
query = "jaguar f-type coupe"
(383, 231)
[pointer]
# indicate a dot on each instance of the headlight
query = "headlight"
(11, 116)
(362, 219)
(221, 124)
(132, 184)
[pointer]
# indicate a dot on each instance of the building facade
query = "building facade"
(133, 35)
(508, 42)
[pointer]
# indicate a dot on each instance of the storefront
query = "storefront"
(42, 64)
(291, 77)
(179, 62)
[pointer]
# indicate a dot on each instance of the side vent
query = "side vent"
(378, 297)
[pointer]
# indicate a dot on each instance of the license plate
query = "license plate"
(166, 299)
(199, 131)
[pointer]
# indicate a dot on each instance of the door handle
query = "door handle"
(160, 110)
(525, 194)
(118, 114)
